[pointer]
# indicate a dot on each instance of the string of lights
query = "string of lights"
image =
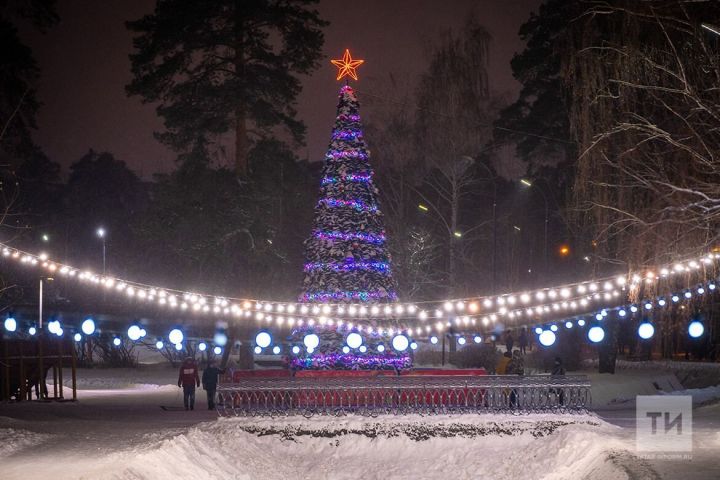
(575, 297)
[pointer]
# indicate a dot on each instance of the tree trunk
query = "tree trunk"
(242, 169)
(608, 348)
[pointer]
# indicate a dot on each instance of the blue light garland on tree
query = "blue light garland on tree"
(347, 258)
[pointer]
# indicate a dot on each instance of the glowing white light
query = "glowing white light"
(568, 324)
(381, 348)
(178, 346)
(10, 324)
(462, 341)
(596, 334)
(53, 326)
(400, 343)
(547, 338)
(354, 340)
(688, 294)
(538, 330)
(296, 350)
(77, 337)
(646, 330)
(133, 333)
(599, 316)
(263, 339)
(88, 326)
(696, 329)
(701, 290)
(311, 342)
(433, 339)
(159, 344)
(554, 328)
(581, 322)
(276, 349)
(220, 338)
(477, 339)
(346, 349)
(32, 330)
(217, 350)
(117, 341)
(633, 309)
(675, 298)
(176, 336)
(202, 346)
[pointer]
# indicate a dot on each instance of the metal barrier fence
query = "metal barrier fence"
(404, 395)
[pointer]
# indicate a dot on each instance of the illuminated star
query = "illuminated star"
(347, 66)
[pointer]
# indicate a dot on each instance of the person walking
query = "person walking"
(523, 340)
(509, 341)
(188, 380)
(515, 367)
(559, 371)
(210, 381)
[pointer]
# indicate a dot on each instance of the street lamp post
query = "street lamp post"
(529, 184)
(101, 234)
(494, 221)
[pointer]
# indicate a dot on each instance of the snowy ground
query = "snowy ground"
(118, 431)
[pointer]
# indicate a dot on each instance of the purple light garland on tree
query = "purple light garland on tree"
(348, 295)
(346, 178)
(358, 205)
(366, 237)
(349, 265)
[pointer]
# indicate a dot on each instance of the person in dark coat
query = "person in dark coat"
(210, 381)
(188, 380)
(509, 341)
(515, 367)
(559, 371)
(523, 340)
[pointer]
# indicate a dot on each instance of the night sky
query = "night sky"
(85, 67)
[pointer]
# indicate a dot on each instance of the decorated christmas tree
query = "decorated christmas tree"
(347, 255)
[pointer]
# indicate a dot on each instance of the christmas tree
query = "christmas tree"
(347, 256)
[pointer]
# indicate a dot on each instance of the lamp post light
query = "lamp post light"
(530, 184)
(101, 233)
(493, 179)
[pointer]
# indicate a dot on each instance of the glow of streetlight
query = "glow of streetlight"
(526, 182)
(45, 237)
(423, 207)
(100, 232)
(457, 234)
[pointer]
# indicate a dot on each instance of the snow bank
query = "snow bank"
(498, 447)
(700, 396)
(143, 378)
(13, 440)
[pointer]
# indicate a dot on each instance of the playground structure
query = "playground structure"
(26, 363)
(414, 392)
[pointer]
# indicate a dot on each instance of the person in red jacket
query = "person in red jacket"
(188, 380)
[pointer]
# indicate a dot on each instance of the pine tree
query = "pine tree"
(347, 256)
(225, 66)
